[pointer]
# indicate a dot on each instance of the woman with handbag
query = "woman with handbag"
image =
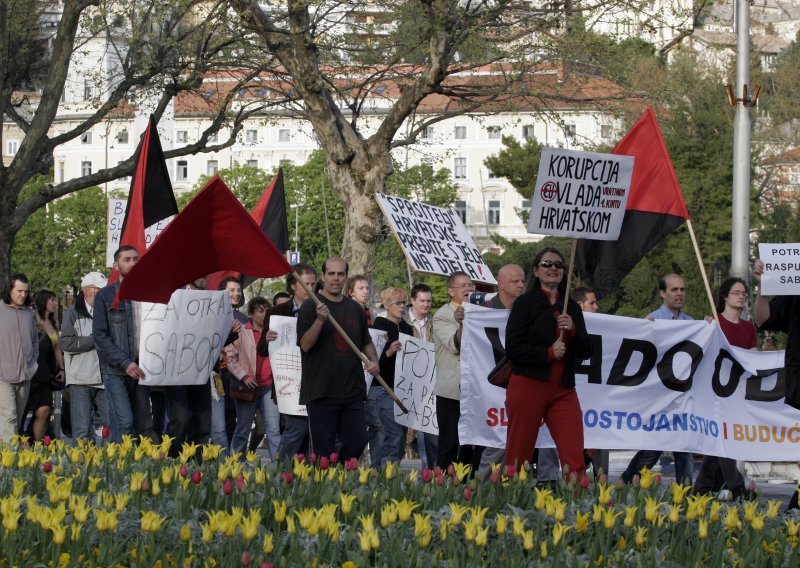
(544, 341)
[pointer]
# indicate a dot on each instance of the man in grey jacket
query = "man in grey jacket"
(19, 354)
(82, 366)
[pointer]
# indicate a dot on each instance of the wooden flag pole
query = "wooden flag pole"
(568, 268)
(702, 270)
(356, 350)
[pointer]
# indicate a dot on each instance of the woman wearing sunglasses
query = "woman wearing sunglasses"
(543, 343)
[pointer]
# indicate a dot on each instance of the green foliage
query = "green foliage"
(59, 244)
(246, 182)
(518, 163)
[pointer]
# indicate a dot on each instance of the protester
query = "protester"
(40, 399)
(544, 344)
(280, 297)
(447, 330)
(386, 441)
(421, 322)
(357, 288)
(294, 437)
(717, 473)
(255, 372)
(116, 337)
(223, 411)
(782, 313)
(333, 387)
(672, 291)
(81, 364)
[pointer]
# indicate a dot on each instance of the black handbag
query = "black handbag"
(500, 375)
(240, 391)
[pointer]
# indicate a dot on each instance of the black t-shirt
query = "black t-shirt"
(330, 368)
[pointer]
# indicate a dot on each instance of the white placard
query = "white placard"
(116, 216)
(781, 269)
(668, 384)
(414, 379)
(287, 365)
(379, 341)
(180, 341)
(580, 194)
(433, 239)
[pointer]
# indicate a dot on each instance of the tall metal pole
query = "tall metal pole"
(740, 239)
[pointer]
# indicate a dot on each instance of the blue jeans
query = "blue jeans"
(128, 407)
(684, 467)
(82, 400)
(294, 439)
(385, 435)
(219, 435)
(246, 411)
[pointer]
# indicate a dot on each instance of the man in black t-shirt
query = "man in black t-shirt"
(333, 387)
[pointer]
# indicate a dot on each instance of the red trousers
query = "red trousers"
(528, 402)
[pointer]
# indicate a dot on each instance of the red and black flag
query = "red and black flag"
(150, 198)
(655, 208)
(213, 233)
(270, 214)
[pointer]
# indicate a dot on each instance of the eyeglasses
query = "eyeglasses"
(398, 303)
(737, 293)
(552, 264)
(466, 286)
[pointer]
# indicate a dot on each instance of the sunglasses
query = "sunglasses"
(551, 264)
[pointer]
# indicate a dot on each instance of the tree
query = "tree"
(162, 48)
(338, 66)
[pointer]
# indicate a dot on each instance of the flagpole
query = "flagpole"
(702, 270)
(356, 350)
(569, 282)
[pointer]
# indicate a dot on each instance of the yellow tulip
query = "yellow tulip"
(773, 508)
(605, 493)
(581, 522)
(75, 531)
(714, 513)
(630, 514)
(641, 536)
(151, 521)
(404, 508)
(374, 540)
(364, 541)
(732, 521)
(651, 508)
(519, 526)
(750, 508)
(59, 534)
(19, 487)
(597, 513)
(7, 458)
(679, 492)
(610, 518)
(550, 507)
(561, 510)
(206, 534)
(645, 478)
(500, 524)
(559, 531)
(622, 544)
(388, 514)
(268, 545)
(541, 497)
(674, 513)
(367, 522)
(456, 513)
(479, 514)
(470, 530)
(443, 524)
(11, 520)
(482, 537)
(250, 524)
(461, 471)
(280, 510)
(527, 540)
(757, 522)
(106, 520)
(347, 502)
(542, 549)
(363, 474)
(290, 528)
(702, 529)
(186, 532)
(522, 475)
(155, 488)
(390, 471)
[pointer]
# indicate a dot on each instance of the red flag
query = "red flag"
(214, 232)
(655, 208)
(270, 214)
(150, 198)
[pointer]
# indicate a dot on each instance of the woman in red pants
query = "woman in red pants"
(542, 386)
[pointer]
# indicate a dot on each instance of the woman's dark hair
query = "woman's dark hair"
(223, 285)
(725, 290)
(18, 277)
(41, 299)
(533, 280)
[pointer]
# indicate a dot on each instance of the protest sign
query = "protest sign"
(180, 341)
(781, 269)
(580, 194)
(414, 379)
(433, 239)
(287, 368)
(666, 384)
(116, 216)
(379, 341)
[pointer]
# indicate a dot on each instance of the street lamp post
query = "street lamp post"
(296, 208)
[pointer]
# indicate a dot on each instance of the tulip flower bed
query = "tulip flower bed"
(126, 504)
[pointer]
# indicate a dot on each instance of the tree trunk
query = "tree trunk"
(7, 234)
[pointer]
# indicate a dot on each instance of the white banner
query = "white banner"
(433, 239)
(781, 269)
(179, 342)
(116, 216)
(666, 385)
(580, 194)
(379, 341)
(414, 379)
(286, 362)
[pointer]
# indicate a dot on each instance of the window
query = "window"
(460, 168)
(527, 132)
(491, 175)
(86, 138)
(525, 204)
(493, 212)
(427, 134)
(122, 137)
(284, 135)
(87, 90)
(494, 132)
(252, 164)
(86, 168)
(182, 170)
(182, 136)
(460, 133)
(570, 130)
(212, 166)
(606, 131)
(460, 207)
(12, 146)
(61, 172)
(251, 136)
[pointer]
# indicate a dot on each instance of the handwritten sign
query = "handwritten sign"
(287, 369)
(180, 341)
(781, 269)
(434, 239)
(414, 379)
(116, 216)
(379, 341)
(580, 194)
